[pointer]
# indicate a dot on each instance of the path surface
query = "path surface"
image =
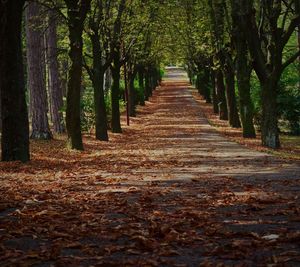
(170, 191)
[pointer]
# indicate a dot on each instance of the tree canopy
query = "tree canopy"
(101, 57)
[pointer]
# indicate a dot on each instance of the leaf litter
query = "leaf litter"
(144, 199)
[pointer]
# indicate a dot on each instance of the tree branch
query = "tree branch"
(290, 60)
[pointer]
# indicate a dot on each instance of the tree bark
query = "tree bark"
(15, 129)
(246, 105)
(148, 90)
(268, 67)
(298, 35)
(216, 9)
(297, 9)
(243, 72)
(115, 93)
(77, 12)
(36, 72)
(141, 85)
(55, 84)
(233, 116)
(0, 106)
(132, 95)
(107, 80)
(65, 76)
(269, 127)
(213, 92)
(206, 89)
(98, 84)
(199, 87)
(221, 98)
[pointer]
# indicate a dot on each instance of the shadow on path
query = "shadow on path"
(170, 191)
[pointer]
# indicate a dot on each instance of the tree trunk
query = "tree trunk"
(148, 90)
(233, 116)
(98, 84)
(243, 73)
(269, 127)
(0, 107)
(221, 98)
(299, 56)
(15, 130)
(243, 81)
(76, 16)
(246, 105)
(198, 85)
(206, 89)
(213, 92)
(132, 96)
(115, 94)
(36, 72)
(107, 80)
(55, 85)
(141, 85)
(65, 76)
(297, 9)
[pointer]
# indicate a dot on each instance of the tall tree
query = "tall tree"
(55, 85)
(141, 76)
(131, 75)
(217, 30)
(96, 32)
(297, 10)
(267, 37)
(225, 44)
(77, 12)
(116, 68)
(214, 94)
(220, 93)
(243, 72)
(229, 74)
(36, 72)
(15, 129)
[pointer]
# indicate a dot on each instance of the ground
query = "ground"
(169, 191)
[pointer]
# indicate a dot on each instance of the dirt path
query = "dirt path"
(170, 191)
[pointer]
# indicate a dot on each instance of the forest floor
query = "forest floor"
(169, 191)
(290, 145)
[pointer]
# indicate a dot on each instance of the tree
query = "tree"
(77, 12)
(267, 37)
(36, 72)
(132, 72)
(96, 31)
(15, 130)
(217, 28)
(116, 68)
(297, 10)
(55, 85)
(228, 68)
(243, 71)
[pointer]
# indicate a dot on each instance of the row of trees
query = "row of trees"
(106, 40)
(238, 53)
(230, 43)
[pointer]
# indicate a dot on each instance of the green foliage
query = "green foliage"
(108, 105)
(122, 88)
(139, 92)
(256, 99)
(87, 110)
(162, 73)
(289, 100)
